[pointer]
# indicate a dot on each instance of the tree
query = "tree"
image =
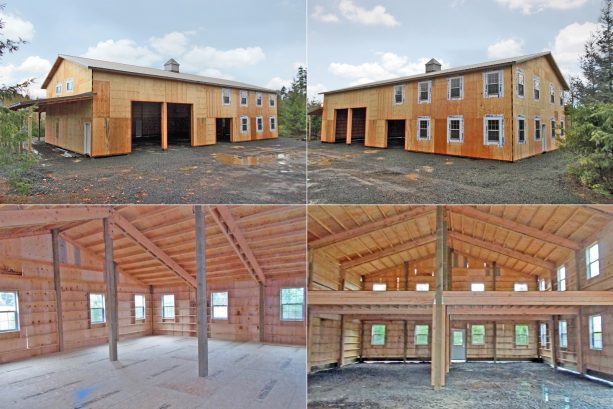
(292, 106)
(9, 46)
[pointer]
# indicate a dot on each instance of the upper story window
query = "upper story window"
(552, 93)
(537, 129)
(493, 84)
(521, 129)
(70, 85)
(536, 81)
(424, 89)
(455, 88)
(562, 278)
(542, 284)
(493, 130)
(455, 129)
(139, 307)
(259, 124)
(477, 287)
(398, 94)
(379, 287)
(521, 83)
(272, 123)
(219, 305)
(96, 308)
(595, 332)
(292, 304)
(225, 96)
(520, 287)
(377, 334)
(168, 306)
(9, 311)
(58, 88)
(421, 334)
(592, 259)
(272, 100)
(422, 287)
(244, 124)
(244, 95)
(258, 99)
(423, 128)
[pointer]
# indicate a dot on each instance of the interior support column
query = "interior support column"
(310, 269)
(203, 347)
(111, 289)
(438, 312)
(406, 341)
(310, 324)
(554, 341)
(341, 354)
(164, 126)
(55, 246)
(405, 270)
(495, 341)
(579, 341)
(261, 315)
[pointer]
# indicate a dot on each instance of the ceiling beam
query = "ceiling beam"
(388, 252)
(230, 229)
(371, 227)
(32, 217)
(497, 221)
(399, 266)
(139, 238)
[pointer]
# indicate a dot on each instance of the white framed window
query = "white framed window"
(379, 287)
(563, 329)
(292, 304)
(562, 278)
(244, 98)
(421, 334)
(536, 82)
(455, 129)
(455, 88)
(552, 93)
(493, 84)
(69, 85)
(398, 94)
(139, 307)
(493, 130)
(521, 335)
(168, 306)
(553, 128)
(377, 334)
(542, 284)
(422, 287)
(9, 311)
(244, 124)
(562, 98)
(423, 128)
(258, 99)
(219, 305)
(520, 287)
(259, 124)
(477, 334)
(225, 96)
(96, 308)
(521, 129)
(521, 83)
(592, 259)
(543, 334)
(477, 287)
(537, 129)
(595, 332)
(272, 123)
(272, 100)
(58, 88)
(424, 91)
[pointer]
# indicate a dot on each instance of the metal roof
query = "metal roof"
(473, 67)
(149, 72)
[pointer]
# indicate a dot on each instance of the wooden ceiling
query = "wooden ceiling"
(156, 244)
(527, 239)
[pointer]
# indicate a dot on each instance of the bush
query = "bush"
(14, 161)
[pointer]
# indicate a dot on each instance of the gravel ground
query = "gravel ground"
(517, 385)
(268, 171)
(340, 173)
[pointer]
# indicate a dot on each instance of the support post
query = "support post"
(111, 289)
(495, 333)
(55, 245)
(406, 341)
(579, 341)
(342, 277)
(405, 270)
(203, 347)
(554, 341)
(310, 324)
(341, 354)
(30, 133)
(310, 268)
(261, 315)
(438, 312)
(349, 124)
(39, 130)
(580, 267)
(494, 275)
(164, 126)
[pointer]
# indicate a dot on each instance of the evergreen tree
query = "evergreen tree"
(292, 106)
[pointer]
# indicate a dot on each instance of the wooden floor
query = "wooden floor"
(160, 372)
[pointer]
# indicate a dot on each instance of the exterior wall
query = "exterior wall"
(81, 76)
(64, 125)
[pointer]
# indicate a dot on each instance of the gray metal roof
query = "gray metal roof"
(153, 72)
(457, 70)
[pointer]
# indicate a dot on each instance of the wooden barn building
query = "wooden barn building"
(443, 284)
(153, 306)
(101, 108)
(506, 110)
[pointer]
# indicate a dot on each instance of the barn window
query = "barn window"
(562, 98)
(562, 128)
(292, 304)
(244, 124)
(553, 128)
(520, 287)
(455, 88)
(542, 284)
(493, 130)
(521, 335)
(595, 332)
(398, 94)
(225, 96)
(377, 334)
(493, 86)
(552, 93)
(139, 307)
(478, 287)
(521, 129)
(455, 129)
(537, 88)
(168, 306)
(421, 334)
(592, 259)
(244, 97)
(69, 85)
(219, 305)
(9, 311)
(543, 335)
(422, 287)
(96, 308)
(477, 334)
(379, 287)
(562, 278)
(271, 100)
(563, 334)
(272, 123)
(58, 88)
(423, 128)
(424, 89)
(521, 83)
(258, 99)
(259, 124)
(537, 129)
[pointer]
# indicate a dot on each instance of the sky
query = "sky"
(260, 43)
(352, 42)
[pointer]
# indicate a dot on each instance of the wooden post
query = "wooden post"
(405, 269)
(580, 267)
(494, 332)
(55, 246)
(406, 341)
(349, 124)
(261, 314)
(448, 343)
(310, 323)
(203, 347)
(494, 274)
(111, 289)
(579, 341)
(310, 268)
(341, 284)
(450, 270)
(30, 133)
(341, 354)
(164, 126)
(39, 130)
(438, 311)
(553, 341)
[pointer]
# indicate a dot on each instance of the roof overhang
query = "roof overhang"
(43, 103)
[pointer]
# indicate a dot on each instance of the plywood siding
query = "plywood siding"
(324, 344)
(68, 70)
(64, 125)
(394, 341)
(275, 330)
(352, 340)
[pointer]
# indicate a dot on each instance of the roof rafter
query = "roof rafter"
(31, 217)
(411, 244)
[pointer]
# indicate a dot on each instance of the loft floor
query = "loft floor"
(159, 372)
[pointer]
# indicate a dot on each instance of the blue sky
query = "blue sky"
(358, 41)
(259, 42)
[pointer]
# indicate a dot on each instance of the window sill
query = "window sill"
(10, 334)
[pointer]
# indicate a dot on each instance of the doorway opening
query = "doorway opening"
(179, 124)
(396, 133)
(358, 125)
(340, 133)
(223, 129)
(146, 123)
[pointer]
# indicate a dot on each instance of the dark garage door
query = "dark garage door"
(340, 134)
(358, 125)
(395, 133)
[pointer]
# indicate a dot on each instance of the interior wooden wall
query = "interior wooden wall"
(324, 341)
(394, 341)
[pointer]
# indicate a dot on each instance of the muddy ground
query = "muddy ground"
(268, 171)
(517, 385)
(340, 173)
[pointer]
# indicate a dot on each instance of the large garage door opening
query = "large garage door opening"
(358, 125)
(340, 134)
(395, 133)
(179, 124)
(223, 129)
(146, 123)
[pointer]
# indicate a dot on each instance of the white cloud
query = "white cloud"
(378, 15)
(214, 58)
(510, 47)
(15, 27)
(277, 83)
(122, 51)
(536, 6)
(313, 91)
(170, 45)
(320, 14)
(569, 45)
(35, 64)
(33, 67)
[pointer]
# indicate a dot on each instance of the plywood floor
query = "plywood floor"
(159, 372)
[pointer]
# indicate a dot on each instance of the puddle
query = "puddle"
(251, 160)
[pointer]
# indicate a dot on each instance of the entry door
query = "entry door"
(87, 138)
(458, 345)
(544, 136)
